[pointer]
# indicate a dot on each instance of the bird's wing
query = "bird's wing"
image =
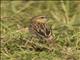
(42, 30)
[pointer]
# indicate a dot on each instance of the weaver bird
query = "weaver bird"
(40, 28)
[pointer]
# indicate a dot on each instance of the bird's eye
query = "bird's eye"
(42, 17)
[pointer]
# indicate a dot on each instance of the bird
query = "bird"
(40, 28)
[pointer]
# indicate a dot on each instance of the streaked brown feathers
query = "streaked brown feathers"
(41, 29)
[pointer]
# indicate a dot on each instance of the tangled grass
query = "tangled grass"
(16, 42)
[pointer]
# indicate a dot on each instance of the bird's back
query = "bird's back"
(40, 29)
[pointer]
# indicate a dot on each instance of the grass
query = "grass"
(16, 42)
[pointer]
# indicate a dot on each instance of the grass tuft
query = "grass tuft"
(18, 44)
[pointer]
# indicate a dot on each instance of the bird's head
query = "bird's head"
(40, 19)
